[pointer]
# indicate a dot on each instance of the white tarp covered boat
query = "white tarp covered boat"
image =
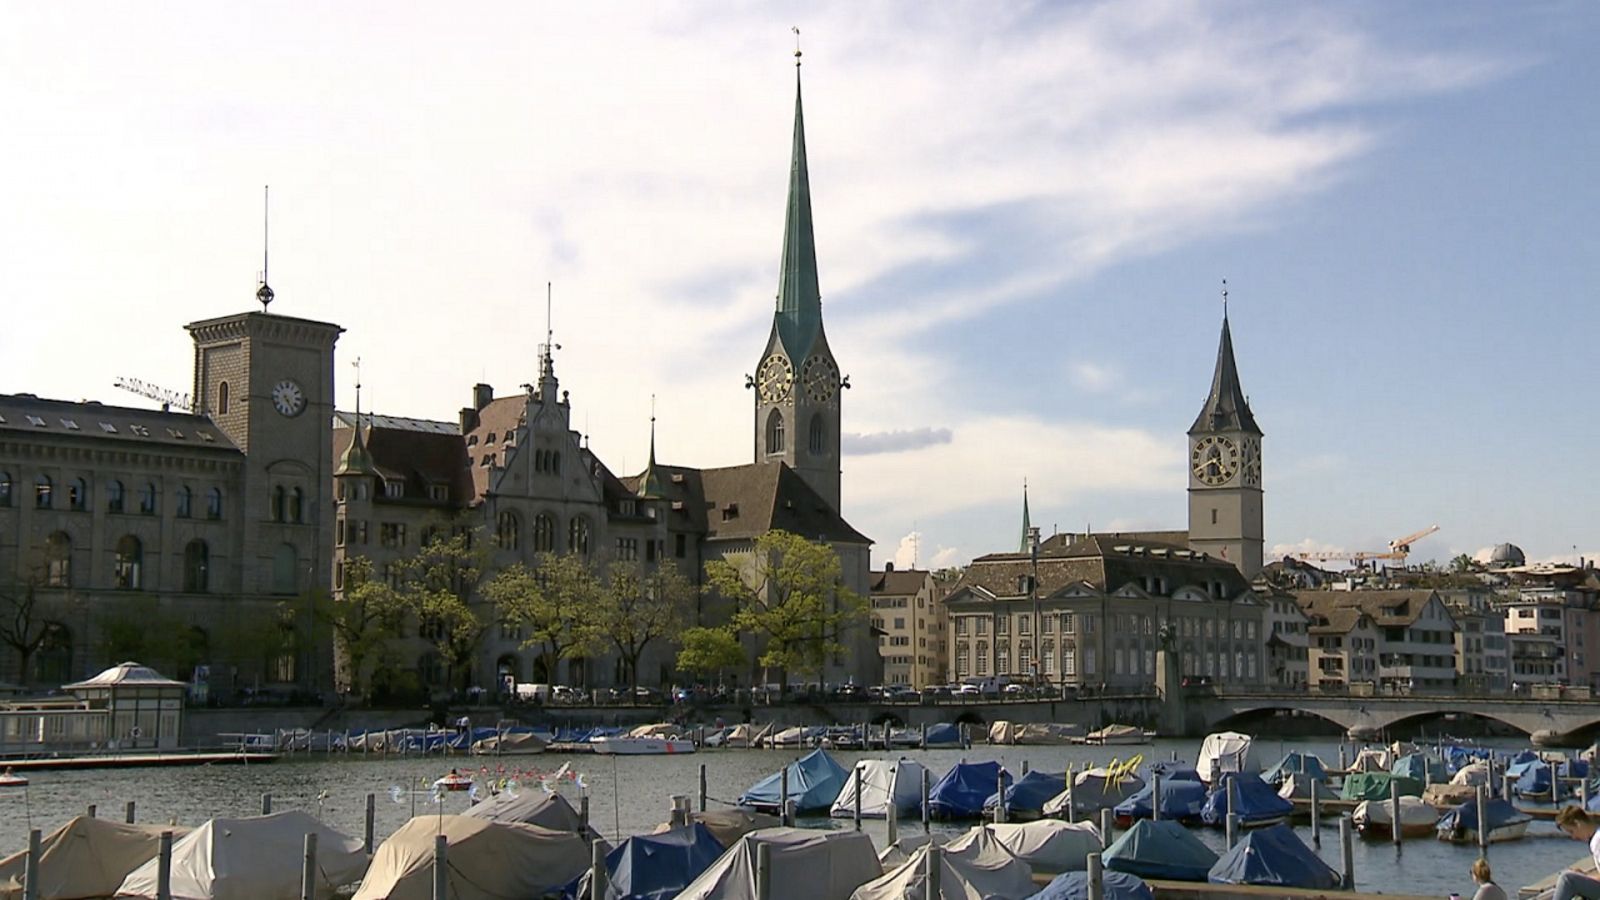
(1224, 752)
(86, 858)
(806, 865)
(973, 867)
(487, 860)
(534, 807)
(514, 743)
(1298, 787)
(641, 746)
(258, 858)
(885, 785)
(1117, 734)
(1041, 734)
(1372, 759)
(1048, 846)
(1102, 787)
(1376, 817)
(1471, 774)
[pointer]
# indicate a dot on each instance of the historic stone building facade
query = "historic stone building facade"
(913, 626)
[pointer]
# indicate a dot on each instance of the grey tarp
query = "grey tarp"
(257, 858)
(975, 866)
(806, 865)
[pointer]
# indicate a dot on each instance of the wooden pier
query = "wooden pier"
(138, 760)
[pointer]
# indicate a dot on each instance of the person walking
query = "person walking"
(1578, 825)
(1487, 889)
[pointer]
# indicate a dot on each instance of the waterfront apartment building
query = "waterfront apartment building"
(1395, 639)
(1288, 638)
(1552, 624)
(909, 613)
(1342, 642)
(1482, 657)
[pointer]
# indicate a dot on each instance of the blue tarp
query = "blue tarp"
(1420, 767)
(1524, 756)
(962, 790)
(1160, 849)
(1175, 771)
(1030, 792)
(1534, 780)
(1181, 800)
(815, 781)
(1296, 763)
(944, 734)
(1464, 818)
(1574, 768)
(1114, 885)
(1254, 801)
(653, 866)
(1274, 856)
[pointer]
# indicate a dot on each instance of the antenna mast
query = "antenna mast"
(264, 293)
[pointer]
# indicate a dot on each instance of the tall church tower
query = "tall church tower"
(797, 382)
(1225, 517)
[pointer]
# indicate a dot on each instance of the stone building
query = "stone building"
(1402, 639)
(197, 539)
(1288, 644)
(1225, 488)
(909, 612)
(1482, 657)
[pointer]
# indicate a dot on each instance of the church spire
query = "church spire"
(1027, 523)
(799, 312)
(650, 482)
(356, 460)
(1227, 408)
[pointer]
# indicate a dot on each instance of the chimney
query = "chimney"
(888, 567)
(469, 420)
(481, 395)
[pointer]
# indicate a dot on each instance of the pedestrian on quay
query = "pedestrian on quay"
(1580, 826)
(1487, 889)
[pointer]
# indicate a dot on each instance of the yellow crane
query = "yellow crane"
(1399, 549)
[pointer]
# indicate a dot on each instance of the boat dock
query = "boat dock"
(138, 760)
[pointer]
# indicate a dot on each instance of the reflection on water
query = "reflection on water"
(633, 794)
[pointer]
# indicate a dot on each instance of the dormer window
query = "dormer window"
(489, 438)
(626, 507)
(438, 493)
(36, 422)
(69, 424)
(394, 490)
(108, 428)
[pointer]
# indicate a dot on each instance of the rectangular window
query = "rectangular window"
(338, 532)
(1002, 625)
(899, 622)
(649, 551)
(961, 625)
(1088, 624)
(1213, 515)
(392, 534)
(681, 545)
(1068, 626)
(627, 548)
(1089, 660)
(1023, 624)
(1047, 625)
(982, 625)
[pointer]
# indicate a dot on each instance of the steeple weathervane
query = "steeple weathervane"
(264, 293)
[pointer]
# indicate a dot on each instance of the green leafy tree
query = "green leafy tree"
(553, 603)
(792, 599)
(706, 651)
(636, 608)
(436, 585)
(364, 621)
(1462, 564)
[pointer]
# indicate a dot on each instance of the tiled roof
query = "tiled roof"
(91, 420)
(1106, 562)
(898, 582)
(750, 500)
(419, 459)
(1386, 608)
(497, 421)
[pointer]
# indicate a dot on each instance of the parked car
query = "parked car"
(901, 693)
(647, 695)
(569, 696)
(967, 691)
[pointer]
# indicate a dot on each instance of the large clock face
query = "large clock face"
(820, 378)
(1252, 463)
(775, 379)
(288, 398)
(1214, 460)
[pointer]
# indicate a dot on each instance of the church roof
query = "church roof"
(738, 502)
(798, 319)
(1105, 562)
(1226, 407)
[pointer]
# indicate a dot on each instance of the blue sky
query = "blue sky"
(1024, 213)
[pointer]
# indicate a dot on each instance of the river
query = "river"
(633, 794)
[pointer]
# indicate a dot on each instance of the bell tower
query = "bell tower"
(797, 383)
(1225, 496)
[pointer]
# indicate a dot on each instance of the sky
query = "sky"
(1024, 214)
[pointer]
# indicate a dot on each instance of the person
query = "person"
(1487, 889)
(1577, 824)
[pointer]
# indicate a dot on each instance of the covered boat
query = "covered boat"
(1160, 849)
(1533, 779)
(974, 865)
(1113, 886)
(799, 736)
(1506, 822)
(1375, 818)
(1306, 765)
(653, 866)
(728, 825)
(1027, 796)
(641, 746)
(888, 787)
(806, 865)
(1037, 734)
(1443, 796)
(1102, 787)
(1180, 800)
(1274, 856)
(1112, 735)
(1471, 774)
(516, 742)
(1224, 752)
(815, 781)
(1048, 845)
(1254, 802)
(1298, 787)
(745, 735)
(534, 807)
(1375, 786)
(962, 790)
(1372, 759)
(1421, 767)
(86, 858)
(1175, 771)
(487, 860)
(256, 858)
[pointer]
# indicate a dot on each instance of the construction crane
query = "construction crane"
(1399, 549)
(169, 399)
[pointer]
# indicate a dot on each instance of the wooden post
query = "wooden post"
(1583, 793)
(856, 777)
(679, 815)
(1483, 830)
(1344, 764)
(583, 811)
(935, 862)
(308, 868)
(1394, 811)
(926, 778)
(266, 804)
(597, 870)
(763, 871)
(30, 867)
(783, 795)
(441, 868)
(1105, 828)
(1155, 796)
(892, 823)
(1024, 768)
(90, 812)
(1072, 813)
(702, 787)
(924, 735)
(791, 812)
(1231, 823)
(1506, 783)
(128, 813)
(1097, 877)
(1347, 859)
(372, 816)
(1316, 816)
(164, 867)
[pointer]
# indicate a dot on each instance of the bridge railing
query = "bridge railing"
(1530, 693)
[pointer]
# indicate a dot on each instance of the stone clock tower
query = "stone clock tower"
(1225, 509)
(797, 383)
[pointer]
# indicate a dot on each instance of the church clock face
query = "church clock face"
(775, 379)
(1252, 463)
(820, 378)
(287, 398)
(1214, 460)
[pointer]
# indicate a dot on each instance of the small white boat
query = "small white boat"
(1375, 818)
(1117, 735)
(12, 780)
(455, 781)
(641, 746)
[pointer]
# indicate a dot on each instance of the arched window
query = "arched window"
(214, 503)
(278, 496)
(508, 531)
(5, 488)
(129, 572)
(43, 492)
(222, 398)
(114, 496)
(58, 560)
(285, 566)
(196, 567)
(817, 435)
(280, 666)
(53, 660)
(78, 495)
(297, 506)
(185, 505)
(147, 500)
(578, 536)
(544, 533)
(775, 432)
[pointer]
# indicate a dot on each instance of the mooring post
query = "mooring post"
(597, 870)
(857, 778)
(128, 813)
(1024, 768)
(1483, 831)
(1316, 816)
(1394, 811)
(783, 795)
(1344, 763)
(1231, 823)
(1506, 786)
(1072, 813)
(90, 812)
(441, 868)
(583, 811)
(1583, 793)
(308, 868)
(30, 867)
(1105, 828)
(1155, 796)
(924, 735)
(164, 867)
(763, 871)
(1097, 877)
(372, 816)
(935, 862)
(1000, 797)
(702, 787)
(680, 811)
(1347, 859)
(892, 823)
(926, 778)
(791, 812)
(266, 804)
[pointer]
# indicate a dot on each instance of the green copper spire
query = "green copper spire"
(799, 314)
(356, 460)
(1027, 523)
(650, 483)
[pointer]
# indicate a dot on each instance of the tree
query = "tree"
(553, 603)
(363, 622)
(792, 598)
(23, 626)
(636, 608)
(1462, 564)
(435, 585)
(707, 650)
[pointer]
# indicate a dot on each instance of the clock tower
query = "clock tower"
(1225, 498)
(797, 383)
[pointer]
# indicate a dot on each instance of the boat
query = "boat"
(652, 866)
(1371, 759)
(641, 746)
(1224, 752)
(1160, 848)
(807, 864)
(973, 865)
(1506, 823)
(1254, 802)
(888, 787)
(1048, 845)
(1025, 799)
(1294, 762)
(1113, 886)
(815, 781)
(1471, 774)
(455, 781)
(487, 859)
(1533, 779)
(1181, 801)
(1102, 787)
(1117, 735)
(960, 794)
(1276, 857)
(11, 779)
(1375, 818)
(1040, 734)
(1377, 786)
(256, 856)
(1421, 767)
(941, 735)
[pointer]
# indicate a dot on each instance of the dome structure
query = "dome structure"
(1505, 555)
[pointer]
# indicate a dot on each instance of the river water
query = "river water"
(633, 794)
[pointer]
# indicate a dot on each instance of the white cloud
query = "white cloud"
(905, 554)
(1093, 377)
